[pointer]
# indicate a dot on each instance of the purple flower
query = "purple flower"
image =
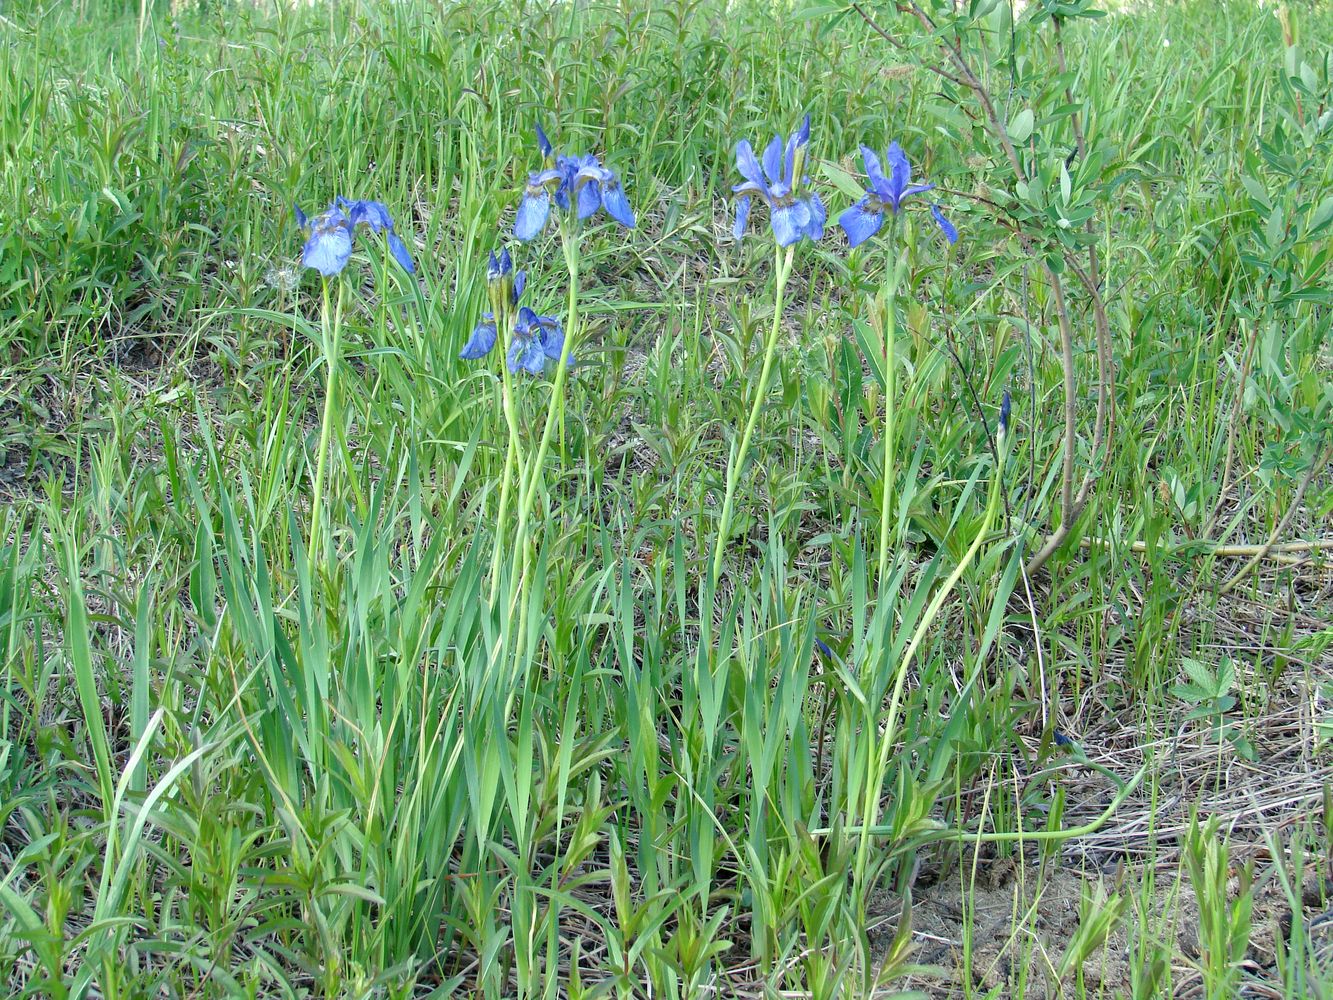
(535, 338)
(864, 219)
(776, 181)
(580, 181)
(503, 287)
(375, 215)
(328, 244)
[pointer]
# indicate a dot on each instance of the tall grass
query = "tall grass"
(275, 720)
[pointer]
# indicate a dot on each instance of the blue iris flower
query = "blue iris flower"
(503, 287)
(580, 181)
(376, 216)
(536, 338)
(328, 245)
(863, 220)
(949, 230)
(777, 182)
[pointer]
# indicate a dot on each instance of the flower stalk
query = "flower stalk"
(783, 261)
(331, 342)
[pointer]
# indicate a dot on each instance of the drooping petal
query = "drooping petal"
(875, 171)
(742, 216)
(552, 337)
(543, 143)
(814, 229)
(749, 166)
(328, 249)
(480, 343)
(789, 222)
(773, 159)
(590, 197)
(917, 189)
(900, 176)
(749, 187)
(949, 230)
(616, 203)
(859, 223)
(400, 253)
(525, 353)
(533, 211)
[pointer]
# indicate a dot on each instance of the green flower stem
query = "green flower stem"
(332, 346)
(889, 329)
(556, 406)
(513, 459)
(734, 467)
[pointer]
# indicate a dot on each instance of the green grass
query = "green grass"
(391, 743)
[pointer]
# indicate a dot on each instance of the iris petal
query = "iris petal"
(480, 343)
(590, 198)
(526, 353)
(859, 223)
(748, 165)
(789, 222)
(742, 217)
(617, 204)
(949, 230)
(400, 253)
(520, 283)
(818, 216)
(900, 175)
(552, 337)
(875, 171)
(773, 159)
(328, 249)
(373, 213)
(533, 211)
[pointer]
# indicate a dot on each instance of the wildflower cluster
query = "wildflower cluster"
(579, 186)
(795, 214)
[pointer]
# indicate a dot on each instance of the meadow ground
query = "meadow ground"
(752, 655)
